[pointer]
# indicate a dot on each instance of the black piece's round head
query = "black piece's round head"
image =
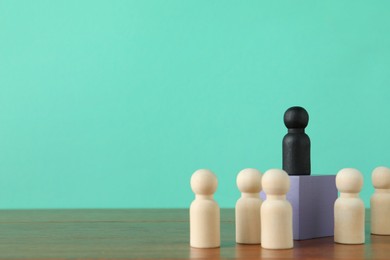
(296, 117)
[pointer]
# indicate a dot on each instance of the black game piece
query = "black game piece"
(296, 143)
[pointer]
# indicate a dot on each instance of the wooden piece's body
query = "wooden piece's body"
(380, 201)
(349, 220)
(276, 223)
(204, 223)
(248, 227)
(380, 212)
(296, 153)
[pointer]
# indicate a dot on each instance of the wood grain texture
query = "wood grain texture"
(149, 234)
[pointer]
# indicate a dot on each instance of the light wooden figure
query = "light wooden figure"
(276, 211)
(204, 211)
(248, 207)
(349, 208)
(380, 201)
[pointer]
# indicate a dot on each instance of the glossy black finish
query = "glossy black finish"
(296, 143)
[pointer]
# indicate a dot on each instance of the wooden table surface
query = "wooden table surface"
(148, 234)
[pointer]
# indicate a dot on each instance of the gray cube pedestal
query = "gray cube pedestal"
(312, 198)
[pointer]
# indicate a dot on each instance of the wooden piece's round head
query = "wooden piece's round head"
(275, 182)
(296, 117)
(349, 180)
(381, 177)
(204, 182)
(249, 180)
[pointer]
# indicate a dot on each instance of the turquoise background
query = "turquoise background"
(111, 104)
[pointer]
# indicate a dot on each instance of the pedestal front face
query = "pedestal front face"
(312, 199)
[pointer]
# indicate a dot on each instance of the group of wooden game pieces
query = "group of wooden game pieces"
(270, 223)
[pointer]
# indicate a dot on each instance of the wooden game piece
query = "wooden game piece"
(380, 201)
(248, 207)
(204, 211)
(349, 208)
(276, 211)
(296, 143)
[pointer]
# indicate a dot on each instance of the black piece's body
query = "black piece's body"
(296, 143)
